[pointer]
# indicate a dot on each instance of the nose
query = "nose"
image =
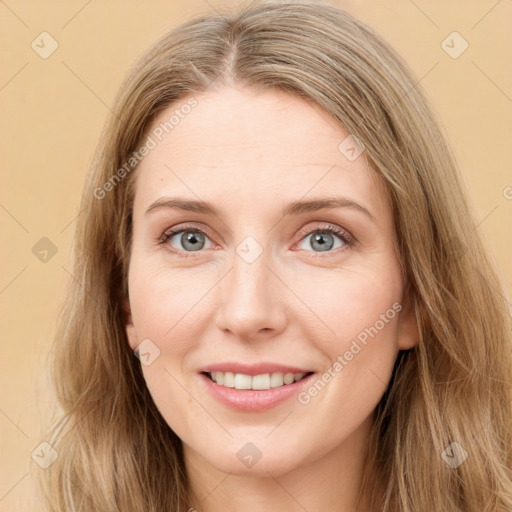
(252, 300)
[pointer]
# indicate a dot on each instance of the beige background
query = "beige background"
(53, 109)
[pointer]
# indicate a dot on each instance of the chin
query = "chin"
(263, 467)
(258, 458)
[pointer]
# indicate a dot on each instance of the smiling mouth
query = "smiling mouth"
(260, 382)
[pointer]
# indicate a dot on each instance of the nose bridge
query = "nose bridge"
(251, 300)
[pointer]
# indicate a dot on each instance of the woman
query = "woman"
(282, 301)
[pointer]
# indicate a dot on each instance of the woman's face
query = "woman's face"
(272, 286)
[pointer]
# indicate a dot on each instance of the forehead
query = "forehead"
(239, 142)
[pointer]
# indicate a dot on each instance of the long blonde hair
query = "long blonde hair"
(115, 450)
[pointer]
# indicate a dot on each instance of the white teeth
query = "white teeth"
(241, 381)
(276, 380)
(261, 381)
(289, 378)
(229, 379)
(257, 382)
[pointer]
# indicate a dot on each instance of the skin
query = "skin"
(249, 154)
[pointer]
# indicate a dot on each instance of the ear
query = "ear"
(408, 332)
(128, 323)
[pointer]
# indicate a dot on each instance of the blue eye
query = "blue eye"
(191, 240)
(185, 240)
(322, 240)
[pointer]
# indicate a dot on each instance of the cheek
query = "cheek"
(342, 304)
(165, 306)
(172, 398)
(360, 315)
(164, 303)
(357, 310)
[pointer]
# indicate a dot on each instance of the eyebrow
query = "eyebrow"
(294, 208)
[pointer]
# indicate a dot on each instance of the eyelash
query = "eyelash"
(344, 235)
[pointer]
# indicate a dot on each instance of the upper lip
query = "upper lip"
(253, 369)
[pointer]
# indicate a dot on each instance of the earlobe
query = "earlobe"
(408, 332)
(128, 323)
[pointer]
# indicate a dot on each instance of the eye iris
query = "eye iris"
(320, 239)
(192, 237)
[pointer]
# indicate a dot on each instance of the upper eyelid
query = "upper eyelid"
(325, 225)
(175, 230)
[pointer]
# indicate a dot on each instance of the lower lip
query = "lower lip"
(254, 400)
